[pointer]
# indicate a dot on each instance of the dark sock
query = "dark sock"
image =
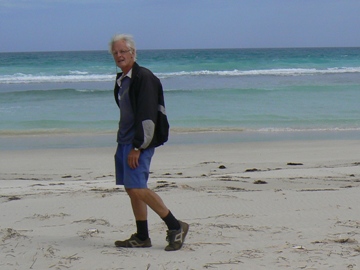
(142, 230)
(171, 222)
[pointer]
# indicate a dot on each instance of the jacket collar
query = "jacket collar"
(135, 69)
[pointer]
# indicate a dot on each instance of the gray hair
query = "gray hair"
(129, 40)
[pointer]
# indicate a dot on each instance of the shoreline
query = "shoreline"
(108, 139)
(254, 205)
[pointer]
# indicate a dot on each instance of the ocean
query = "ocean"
(258, 94)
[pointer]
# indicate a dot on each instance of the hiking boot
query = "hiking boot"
(176, 237)
(133, 242)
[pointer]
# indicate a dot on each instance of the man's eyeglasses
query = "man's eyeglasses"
(120, 52)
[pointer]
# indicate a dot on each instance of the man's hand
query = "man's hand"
(133, 158)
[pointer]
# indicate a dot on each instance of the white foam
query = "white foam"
(25, 78)
(269, 72)
(80, 76)
(77, 72)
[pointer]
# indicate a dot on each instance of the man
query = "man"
(143, 126)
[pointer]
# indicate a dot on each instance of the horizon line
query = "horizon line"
(178, 49)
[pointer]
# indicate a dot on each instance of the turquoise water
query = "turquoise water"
(249, 90)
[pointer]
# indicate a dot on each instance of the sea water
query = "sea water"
(262, 92)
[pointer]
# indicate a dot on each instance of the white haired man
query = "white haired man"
(142, 127)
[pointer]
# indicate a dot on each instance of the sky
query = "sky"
(63, 25)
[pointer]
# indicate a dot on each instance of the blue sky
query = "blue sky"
(56, 25)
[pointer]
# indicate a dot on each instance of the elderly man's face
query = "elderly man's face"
(123, 56)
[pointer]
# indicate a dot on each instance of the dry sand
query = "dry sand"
(279, 205)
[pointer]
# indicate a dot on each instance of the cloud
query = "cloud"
(25, 4)
(11, 4)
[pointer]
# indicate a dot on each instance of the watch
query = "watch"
(136, 149)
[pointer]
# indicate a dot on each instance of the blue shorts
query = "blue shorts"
(132, 178)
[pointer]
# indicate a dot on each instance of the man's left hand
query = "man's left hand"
(133, 158)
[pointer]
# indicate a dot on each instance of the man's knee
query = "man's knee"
(135, 193)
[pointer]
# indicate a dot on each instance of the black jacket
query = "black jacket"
(147, 101)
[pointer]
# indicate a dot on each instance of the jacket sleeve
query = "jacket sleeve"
(146, 107)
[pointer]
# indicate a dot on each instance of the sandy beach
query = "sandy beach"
(251, 205)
